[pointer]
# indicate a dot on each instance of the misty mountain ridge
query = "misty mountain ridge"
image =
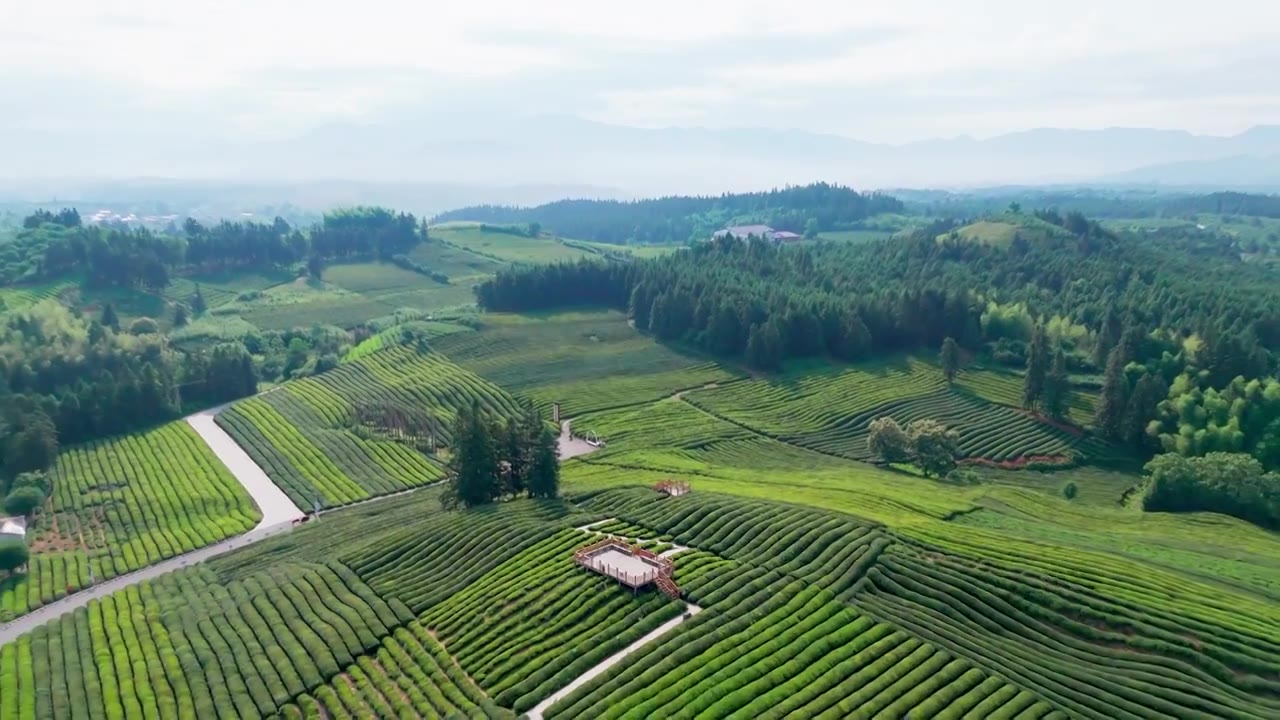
(567, 151)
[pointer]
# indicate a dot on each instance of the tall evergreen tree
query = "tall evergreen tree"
(949, 359)
(1109, 416)
(544, 466)
(198, 304)
(1141, 407)
(109, 317)
(473, 461)
(1108, 335)
(1037, 368)
(1053, 402)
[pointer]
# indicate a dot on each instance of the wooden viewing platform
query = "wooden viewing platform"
(632, 566)
(673, 488)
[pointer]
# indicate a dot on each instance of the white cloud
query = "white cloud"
(909, 68)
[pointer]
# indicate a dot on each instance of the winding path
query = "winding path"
(614, 659)
(278, 514)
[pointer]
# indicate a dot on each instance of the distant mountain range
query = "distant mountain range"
(495, 154)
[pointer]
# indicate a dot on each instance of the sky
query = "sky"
(883, 72)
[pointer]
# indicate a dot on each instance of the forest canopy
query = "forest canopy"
(680, 219)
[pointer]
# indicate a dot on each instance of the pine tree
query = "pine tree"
(1056, 385)
(473, 462)
(109, 317)
(544, 466)
(1108, 335)
(198, 305)
(1037, 367)
(949, 359)
(1109, 416)
(514, 454)
(1141, 408)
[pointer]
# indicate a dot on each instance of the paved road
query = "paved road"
(25, 624)
(276, 507)
(614, 659)
(278, 513)
(569, 445)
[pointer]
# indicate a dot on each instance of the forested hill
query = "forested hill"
(1168, 324)
(52, 245)
(681, 219)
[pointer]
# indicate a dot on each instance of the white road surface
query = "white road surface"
(278, 514)
(614, 659)
(276, 507)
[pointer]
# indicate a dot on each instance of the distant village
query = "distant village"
(764, 232)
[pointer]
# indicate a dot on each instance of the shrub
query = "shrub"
(143, 326)
(1069, 491)
(23, 501)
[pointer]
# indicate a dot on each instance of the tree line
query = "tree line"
(1151, 321)
(680, 219)
(54, 245)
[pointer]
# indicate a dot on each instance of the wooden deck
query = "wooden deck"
(632, 566)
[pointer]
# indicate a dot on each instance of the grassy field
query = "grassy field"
(583, 360)
(505, 247)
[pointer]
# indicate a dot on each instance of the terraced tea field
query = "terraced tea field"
(506, 247)
(830, 412)
(303, 435)
(399, 609)
(118, 506)
(584, 360)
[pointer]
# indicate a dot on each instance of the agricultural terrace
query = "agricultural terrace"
(119, 505)
(16, 298)
(304, 302)
(392, 336)
(306, 439)
(403, 610)
(830, 410)
(584, 360)
(395, 287)
(506, 247)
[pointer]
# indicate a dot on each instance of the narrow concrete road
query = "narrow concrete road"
(276, 507)
(570, 446)
(614, 659)
(278, 514)
(25, 624)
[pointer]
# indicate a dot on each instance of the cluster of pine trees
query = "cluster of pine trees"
(683, 219)
(490, 459)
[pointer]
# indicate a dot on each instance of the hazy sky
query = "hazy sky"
(893, 71)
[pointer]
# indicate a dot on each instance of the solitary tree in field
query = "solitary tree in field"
(315, 266)
(949, 359)
(933, 446)
(888, 441)
(811, 228)
(1037, 368)
(198, 305)
(180, 315)
(13, 555)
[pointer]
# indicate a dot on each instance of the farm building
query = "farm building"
(13, 527)
(742, 232)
